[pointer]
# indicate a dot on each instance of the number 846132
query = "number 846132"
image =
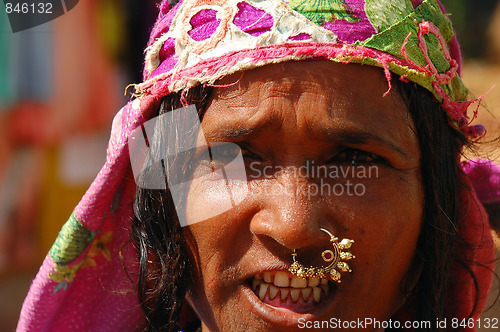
(28, 8)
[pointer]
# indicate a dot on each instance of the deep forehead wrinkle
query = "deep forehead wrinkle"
(240, 130)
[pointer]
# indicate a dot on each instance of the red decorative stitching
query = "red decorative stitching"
(457, 110)
(199, 47)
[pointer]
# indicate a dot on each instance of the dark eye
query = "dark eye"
(249, 155)
(355, 156)
(221, 154)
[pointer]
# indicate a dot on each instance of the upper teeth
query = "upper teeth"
(288, 286)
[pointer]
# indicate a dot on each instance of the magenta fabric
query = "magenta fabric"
(253, 21)
(210, 32)
(301, 36)
(101, 297)
(204, 24)
(479, 247)
(485, 177)
(162, 25)
(416, 3)
(167, 57)
(351, 32)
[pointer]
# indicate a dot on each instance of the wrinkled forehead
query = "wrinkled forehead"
(326, 100)
(290, 80)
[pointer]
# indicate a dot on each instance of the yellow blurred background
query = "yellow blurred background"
(62, 82)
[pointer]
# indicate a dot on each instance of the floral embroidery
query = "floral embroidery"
(99, 246)
(219, 33)
(64, 274)
(72, 241)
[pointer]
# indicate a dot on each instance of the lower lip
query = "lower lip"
(286, 315)
(300, 306)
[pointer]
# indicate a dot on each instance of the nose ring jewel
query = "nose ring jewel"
(336, 257)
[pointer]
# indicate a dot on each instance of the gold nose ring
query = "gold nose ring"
(336, 258)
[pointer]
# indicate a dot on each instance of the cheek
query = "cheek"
(207, 294)
(214, 192)
(218, 251)
(219, 244)
(207, 300)
(386, 229)
(206, 199)
(386, 248)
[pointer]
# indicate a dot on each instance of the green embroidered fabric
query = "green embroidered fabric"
(383, 14)
(391, 39)
(71, 242)
(395, 22)
(321, 11)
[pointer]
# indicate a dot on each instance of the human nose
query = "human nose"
(290, 215)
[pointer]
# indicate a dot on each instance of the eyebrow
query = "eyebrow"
(239, 132)
(361, 137)
(339, 136)
(242, 131)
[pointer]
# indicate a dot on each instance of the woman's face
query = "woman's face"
(323, 148)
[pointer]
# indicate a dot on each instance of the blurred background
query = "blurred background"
(61, 84)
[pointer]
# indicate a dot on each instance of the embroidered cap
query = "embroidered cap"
(200, 41)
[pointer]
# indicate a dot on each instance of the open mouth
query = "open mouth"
(282, 289)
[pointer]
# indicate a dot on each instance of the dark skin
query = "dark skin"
(285, 115)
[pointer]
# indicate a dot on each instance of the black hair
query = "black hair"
(440, 148)
(164, 262)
